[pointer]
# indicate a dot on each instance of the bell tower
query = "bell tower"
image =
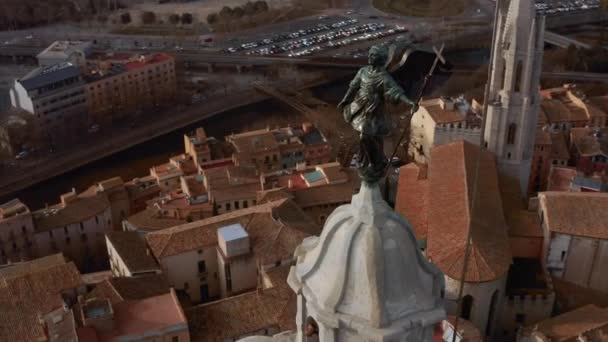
(514, 97)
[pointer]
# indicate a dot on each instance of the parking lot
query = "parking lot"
(551, 7)
(320, 38)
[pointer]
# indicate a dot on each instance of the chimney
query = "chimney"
(446, 103)
(200, 133)
(307, 127)
(301, 166)
(68, 197)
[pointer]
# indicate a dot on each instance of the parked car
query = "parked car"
(22, 155)
(94, 128)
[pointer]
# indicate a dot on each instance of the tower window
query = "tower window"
(511, 134)
(518, 76)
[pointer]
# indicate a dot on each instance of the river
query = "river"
(136, 161)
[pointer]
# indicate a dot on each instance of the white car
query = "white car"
(22, 155)
(94, 128)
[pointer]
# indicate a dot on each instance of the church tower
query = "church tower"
(514, 97)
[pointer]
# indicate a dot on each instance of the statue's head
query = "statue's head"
(378, 55)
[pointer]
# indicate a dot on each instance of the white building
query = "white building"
(214, 257)
(237, 270)
(56, 98)
(440, 121)
(63, 51)
(514, 98)
(575, 229)
(129, 256)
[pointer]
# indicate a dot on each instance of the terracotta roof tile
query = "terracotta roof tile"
(576, 213)
(80, 209)
(132, 250)
(451, 186)
(240, 315)
(557, 111)
(153, 314)
(583, 321)
(269, 225)
(560, 178)
(151, 220)
(412, 199)
(441, 116)
(34, 293)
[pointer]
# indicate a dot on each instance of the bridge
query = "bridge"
(563, 41)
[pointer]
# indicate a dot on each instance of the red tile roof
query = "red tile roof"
(576, 213)
(151, 315)
(275, 229)
(274, 307)
(24, 296)
(586, 321)
(413, 197)
(451, 192)
(148, 60)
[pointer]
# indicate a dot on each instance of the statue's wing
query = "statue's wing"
(409, 66)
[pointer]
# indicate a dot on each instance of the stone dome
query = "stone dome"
(366, 273)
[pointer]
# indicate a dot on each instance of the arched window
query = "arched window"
(511, 134)
(492, 313)
(518, 77)
(467, 306)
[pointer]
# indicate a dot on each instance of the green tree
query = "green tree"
(212, 18)
(174, 18)
(238, 12)
(226, 12)
(125, 18)
(187, 18)
(261, 6)
(249, 8)
(148, 17)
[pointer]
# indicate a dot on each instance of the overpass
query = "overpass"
(219, 60)
(563, 41)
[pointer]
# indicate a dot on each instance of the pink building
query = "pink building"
(160, 316)
(76, 227)
(16, 232)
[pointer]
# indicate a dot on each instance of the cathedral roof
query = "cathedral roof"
(451, 185)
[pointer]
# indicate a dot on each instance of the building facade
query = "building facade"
(441, 121)
(514, 98)
(120, 85)
(575, 240)
(76, 227)
(55, 96)
(16, 233)
(75, 52)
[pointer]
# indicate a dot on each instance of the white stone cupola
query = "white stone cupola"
(365, 279)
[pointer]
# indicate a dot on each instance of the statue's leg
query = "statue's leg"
(377, 157)
(373, 160)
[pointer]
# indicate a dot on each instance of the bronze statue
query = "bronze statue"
(363, 107)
